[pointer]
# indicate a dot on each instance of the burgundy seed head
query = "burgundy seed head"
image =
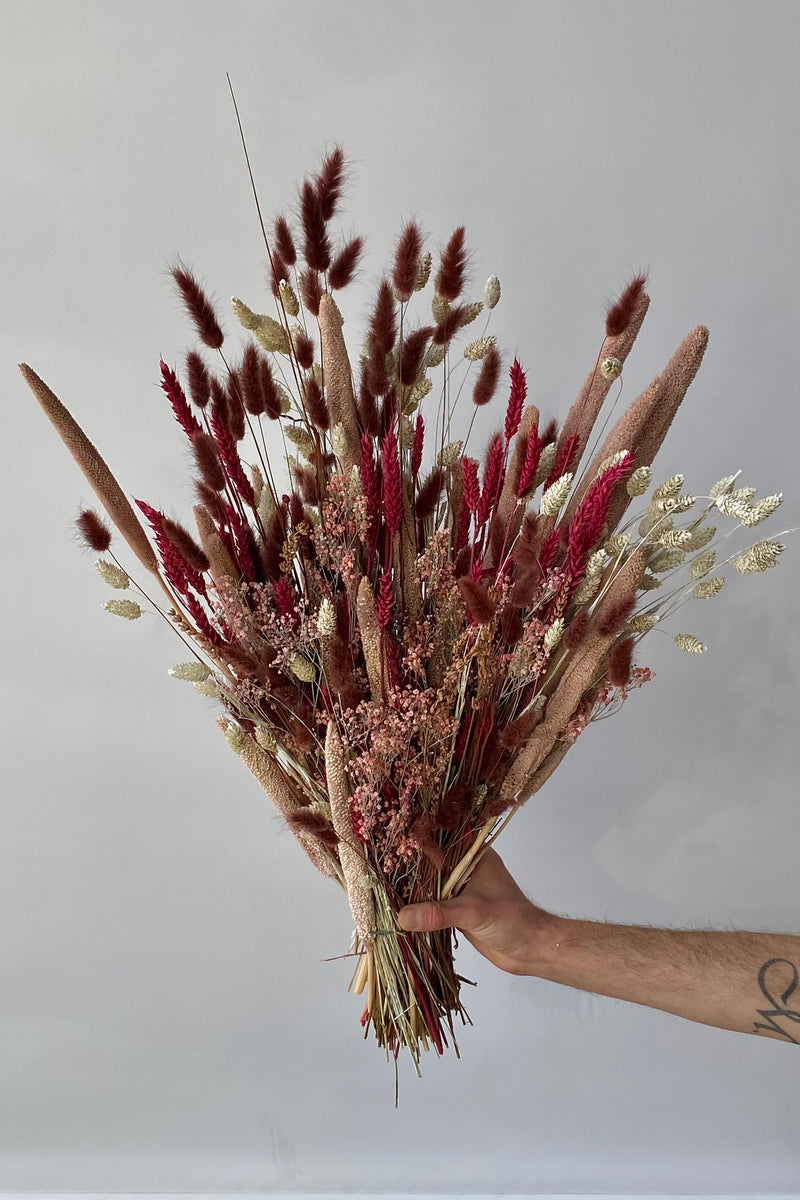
(269, 390)
(416, 450)
(316, 404)
(304, 350)
(412, 353)
(516, 400)
(450, 279)
(236, 421)
(619, 315)
(383, 324)
(185, 544)
(488, 378)
(310, 291)
(429, 493)
(207, 459)
(477, 599)
(343, 267)
(620, 663)
(406, 261)
(94, 531)
(199, 308)
(284, 242)
(329, 183)
(197, 376)
(316, 246)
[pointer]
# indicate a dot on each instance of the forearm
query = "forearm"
(746, 982)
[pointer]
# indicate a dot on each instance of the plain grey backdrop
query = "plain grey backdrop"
(168, 1021)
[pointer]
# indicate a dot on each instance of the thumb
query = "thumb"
(433, 914)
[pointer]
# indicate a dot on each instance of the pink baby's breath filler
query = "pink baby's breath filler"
(406, 639)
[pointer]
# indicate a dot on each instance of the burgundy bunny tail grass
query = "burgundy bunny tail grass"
(207, 459)
(343, 267)
(619, 315)
(199, 307)
(488, 379)
(616, 616)
(198, 380)
(450, 279)
(477, 599)
(406, 261)
(310, 291)
(329, 183)
(185, 544)
(429, 493)
(620, 663)
(284, 242)
(94, 531)
(316, 405)
(316, 244)
(412, 353)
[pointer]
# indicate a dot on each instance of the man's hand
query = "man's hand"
(492, 913)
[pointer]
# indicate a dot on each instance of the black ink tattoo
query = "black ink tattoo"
(780, 1007)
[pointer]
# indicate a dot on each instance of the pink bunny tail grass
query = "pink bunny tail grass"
(95, 470)
(516, 400)
(316, 244)
(450, 279)
(95, 533)
(199, 308)
(284, 242)
(488, 378)
(620, 314)
(330, 182)
(406, 261)
(172, 389)
(343, 268)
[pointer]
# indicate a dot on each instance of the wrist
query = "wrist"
(545, 944)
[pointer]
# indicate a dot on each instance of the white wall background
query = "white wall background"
(167, 1021)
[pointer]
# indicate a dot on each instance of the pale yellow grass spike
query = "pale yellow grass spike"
(354, 866)
(370, 636)
(274, 782)
(95, 469)
(577, 679)
(338, 378)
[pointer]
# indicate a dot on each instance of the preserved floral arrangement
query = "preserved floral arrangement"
(407, 641)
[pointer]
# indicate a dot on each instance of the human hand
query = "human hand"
(494, 915)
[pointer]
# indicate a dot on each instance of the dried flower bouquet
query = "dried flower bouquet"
(406, 645)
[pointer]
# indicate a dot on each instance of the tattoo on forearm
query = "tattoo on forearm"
(785, 1009)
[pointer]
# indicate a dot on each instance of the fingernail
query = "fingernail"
(409, 919)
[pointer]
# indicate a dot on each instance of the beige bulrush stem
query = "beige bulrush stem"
(578, 678)
(339, 378)
(354, 865)
(370, 636)
(96, 471)
(277, 787)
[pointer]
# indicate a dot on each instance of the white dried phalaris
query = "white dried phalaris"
(302, 668)
(235, 736)
(611, 461)
(209, 688)
(256, 482)
(406, 432)
(244, 315)
(643, 622)
(471, 313)
(355, 486)
(675, 504)
(271, 335)
(266, 505)
(265, 737)
(416, 393)
(708, 588)
(192, 672)
(434, 355)
(326, 618)
(723, 486)
(450, 454)
(301, 438)
(736, 503)
(759, 557)
(611, 368)
(689, 644)
(288, 299)
(617, 545)
(701, 537)
(111, 574)
(285, 398)
(702, 564)
(649, 582)
(639, 481)
(553, 634)
(478, 350)
(317, 374)
(424, 272)
(339, 441)
(556, 494)
(491, 292)
(546, 461)
(674, 537)
(670, 487)
(666, 560)
(761, 510)
(440, 308)
(128, 609)
(591, 576)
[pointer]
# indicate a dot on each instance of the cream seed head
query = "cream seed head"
(708, 588)
(553, 634)
(244, 315)
(128, 609)
(649, 582)
(265, 737)
(702, 564)
(676, 504)
(701, 537)
(545, 464)
(326, 618)
(674, 537)
(302, 668)
(471, 313)
(556, 494)
(289, 300)
(111, 574)
(617, 545)
(670, 487)
(301, 438)
(761, 510)
(271, 335)
(643, 622)
(416, 393)
(639, 481)
(666, 560)
(406, 432)
(478, 350)
(424, 272)
(434, 355)
(450, 454)
(611, 461)
(440, 308)
(759, 557)
(723, 486)
(339, 441)
(256, 482)
(286, 399)
(491, 291)
(611, 368)
(689, 644)
(192, 672)
(234, 736)
(209, 688)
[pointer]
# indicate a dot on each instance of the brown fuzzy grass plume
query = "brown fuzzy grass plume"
(406, 261)
(619, 314)
(93, 530)
(450, 280)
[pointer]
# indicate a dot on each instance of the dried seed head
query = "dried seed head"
(639, 481)
(326, 618)
(617, 545)
(291, 304)
(556, 494)
(440, 308)
(235, 736)
(666, 560)
(265, 737)
(301, 438)
(702, 564)
(415, 394)
(701, 537)
(670, 487)
(434, 356)
(128, 609)
(759, 557)
(491, 291)
(675, 504)
(256, 482)
(450, 454)
(724, 486)
(192, 672)
(302, 668)
(761, 510)
(244, 315)
(199, 308)
(111, 574)
(708, 588)
(424, 273)
(674, 537)
(643, 623)
(94, 530)
(553, 634)
(612, 461)
(339, 441)
(736, 503)
(209, 687)
(611, 368)
(545, 464)
(477, 350)
(649, 582)
(689, 644)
